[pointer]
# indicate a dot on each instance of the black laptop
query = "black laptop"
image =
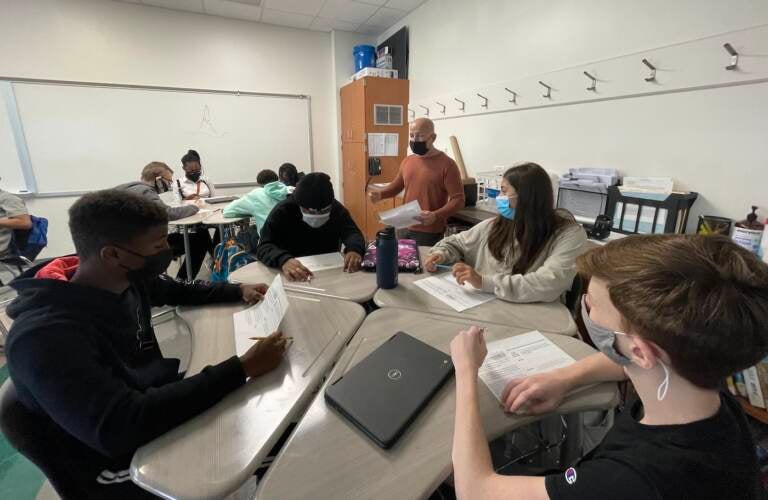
(384, 392)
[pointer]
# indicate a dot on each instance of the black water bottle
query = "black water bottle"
(386, 258)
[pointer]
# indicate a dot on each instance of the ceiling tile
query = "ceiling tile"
(235, 10)
(188, 5)
(347, 10)
(321, 24)
(286, 19)
(386, 17)
(306, 7)
(371, 30)
(408, 5)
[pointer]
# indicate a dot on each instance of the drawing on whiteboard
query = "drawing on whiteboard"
(206, 124)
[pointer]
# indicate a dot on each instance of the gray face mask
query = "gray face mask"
(605, 341)
(603, 338)
(315, 221)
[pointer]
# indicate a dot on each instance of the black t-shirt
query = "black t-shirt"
(712, 458)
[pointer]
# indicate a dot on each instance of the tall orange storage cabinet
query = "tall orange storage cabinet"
(370, 105)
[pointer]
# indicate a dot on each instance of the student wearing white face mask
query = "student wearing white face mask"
(673, 314)
(525, 254)
(310, 222)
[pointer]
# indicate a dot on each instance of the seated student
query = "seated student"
(258, 203)
(289, 175)
(525, 254)
(13, 217)
(156, 180)
(310, 222)
(84, 358)
(195, 185)
(674, 314)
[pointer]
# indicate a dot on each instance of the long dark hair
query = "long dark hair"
(535, 222)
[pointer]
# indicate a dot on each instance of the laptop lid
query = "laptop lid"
(384, 392)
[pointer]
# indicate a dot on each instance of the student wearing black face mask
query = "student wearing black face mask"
(157, 186)
(431, 177)
(89, 375)
(195, 185)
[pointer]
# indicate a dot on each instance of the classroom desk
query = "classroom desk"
(214, 453)
(217, 219)
(552, 317)
(357, 287)
(326, 457)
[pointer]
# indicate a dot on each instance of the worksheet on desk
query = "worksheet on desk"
(519, 357)
(262, 319)
(323, 261)
(460, 297)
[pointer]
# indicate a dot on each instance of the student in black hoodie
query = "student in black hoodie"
(310, 222)
(84, 358)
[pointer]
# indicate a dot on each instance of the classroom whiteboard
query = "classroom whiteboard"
(11, 177)
(83, 137)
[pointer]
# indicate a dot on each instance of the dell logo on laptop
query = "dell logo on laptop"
(394, 374)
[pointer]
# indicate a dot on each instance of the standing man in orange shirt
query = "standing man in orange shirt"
(432, 178)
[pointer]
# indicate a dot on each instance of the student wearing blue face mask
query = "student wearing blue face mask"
(673, 314)
(527, 253)
(310, 222)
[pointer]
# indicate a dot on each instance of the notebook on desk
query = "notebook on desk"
(385, 392)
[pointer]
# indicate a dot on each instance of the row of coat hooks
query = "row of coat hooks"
(592, 87)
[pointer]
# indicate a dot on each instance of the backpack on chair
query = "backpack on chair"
(30, 243)
(228, 256)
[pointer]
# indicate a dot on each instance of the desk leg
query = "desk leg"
(187, 254)
(221, 233)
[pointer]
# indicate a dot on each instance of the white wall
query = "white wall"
(118, 42)
(710, 141)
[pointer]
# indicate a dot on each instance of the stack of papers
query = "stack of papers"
(519, 357)
(262, 319)
(402, 216)
(649, 188)
(323, 261)
(445, 288)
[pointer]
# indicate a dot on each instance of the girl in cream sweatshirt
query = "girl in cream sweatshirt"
(527, 253)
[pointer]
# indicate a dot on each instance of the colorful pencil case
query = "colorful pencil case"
(407, 257)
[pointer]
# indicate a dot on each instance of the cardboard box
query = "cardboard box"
(376, 72)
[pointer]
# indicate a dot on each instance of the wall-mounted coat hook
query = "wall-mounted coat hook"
(426, 109)
(442, 111)
(485, 101)
(652, 77)
(412, 113)
(461, 102)
(734, 56)
(592, 87)
(514, 95)
(548, 95)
